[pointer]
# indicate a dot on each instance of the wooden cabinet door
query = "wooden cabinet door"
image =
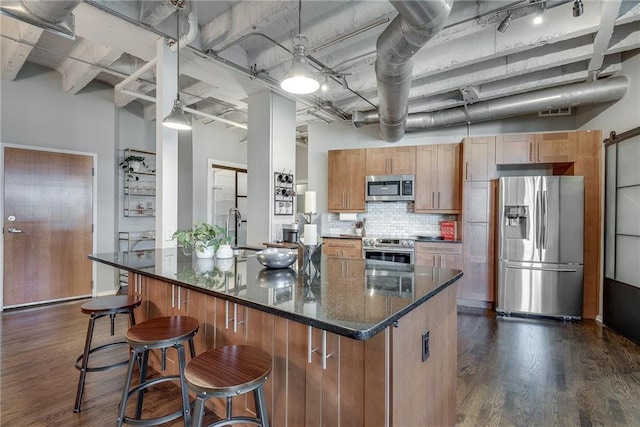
(322, 381)
(346, 248)
(355, 180)
(403, 160)
(425, 258)
(426, 177)
(346, 176)
(479, 158)
(377, 161)
(448, 178)
(391, 161)
(515, 149)
(138, 287)
(478, 243)
(560, 147)
(337, 180)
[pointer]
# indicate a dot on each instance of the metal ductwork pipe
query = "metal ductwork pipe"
(54, 16)
(596, 92)
(607, 90)
(416, 24)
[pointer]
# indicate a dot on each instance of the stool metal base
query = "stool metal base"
(82, 361)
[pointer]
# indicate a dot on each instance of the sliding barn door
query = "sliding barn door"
(48, 199)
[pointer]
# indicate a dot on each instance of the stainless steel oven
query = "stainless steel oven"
(383, 249)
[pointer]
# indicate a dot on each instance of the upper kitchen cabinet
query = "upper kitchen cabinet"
(438, 179)
(479, 153)
(520, 149)
(391, 161)
(346, 180)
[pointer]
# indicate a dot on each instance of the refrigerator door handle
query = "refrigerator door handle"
(537, 230)
(545, 220)
(561, 270)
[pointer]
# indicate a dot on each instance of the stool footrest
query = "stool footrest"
(104, 367)
(236, 420)
(152, 421)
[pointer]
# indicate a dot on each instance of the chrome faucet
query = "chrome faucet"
(239, 219)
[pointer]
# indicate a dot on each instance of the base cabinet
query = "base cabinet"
(323, 379)
(346, 248)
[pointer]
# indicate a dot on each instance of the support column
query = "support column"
(166, 148)
(271, 148)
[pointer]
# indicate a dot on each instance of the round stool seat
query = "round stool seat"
(109, 304)
(230, 370)
(162, 331)
(226, 372)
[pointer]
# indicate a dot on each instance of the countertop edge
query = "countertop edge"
(363, 334)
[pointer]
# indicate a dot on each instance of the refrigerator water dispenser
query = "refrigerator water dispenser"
(517, 219)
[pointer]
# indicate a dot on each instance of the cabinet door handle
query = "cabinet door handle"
(179, 299)
(310, 349)
(466, 171)
(325, 356)
(538, 150)
(226, 314)
(433, 199)
(439, 199)
(530, 152)
(173, 296)
(235, 317)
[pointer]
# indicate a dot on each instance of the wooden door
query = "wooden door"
(337, 180)
(403, 160)
(48, 207)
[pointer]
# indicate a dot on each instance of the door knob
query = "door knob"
(14, 230)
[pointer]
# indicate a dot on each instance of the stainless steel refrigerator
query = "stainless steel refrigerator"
(540, 245)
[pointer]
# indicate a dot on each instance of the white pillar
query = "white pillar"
(271, 148)
(166, 148)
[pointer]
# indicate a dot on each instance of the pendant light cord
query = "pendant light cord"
(300, 19)
(178, 55)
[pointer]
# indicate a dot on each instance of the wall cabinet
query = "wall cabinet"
(391, 161)
(438, 179)
(346, 181)
(349, 248)
(560, 147)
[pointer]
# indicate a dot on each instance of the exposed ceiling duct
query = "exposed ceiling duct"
(416, 24)
(54, 16)
(599, 91)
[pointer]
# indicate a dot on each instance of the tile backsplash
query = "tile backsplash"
(388, 219)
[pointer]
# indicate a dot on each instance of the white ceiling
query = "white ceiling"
(114, 38)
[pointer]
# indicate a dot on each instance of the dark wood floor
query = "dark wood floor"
(511, 372)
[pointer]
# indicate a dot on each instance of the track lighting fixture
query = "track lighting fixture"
(177, 119)
(578, 8)
(299, 79)
(505, 23)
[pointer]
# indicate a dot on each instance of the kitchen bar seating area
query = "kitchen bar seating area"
(599, 380)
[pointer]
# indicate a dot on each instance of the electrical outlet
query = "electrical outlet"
(425, 346)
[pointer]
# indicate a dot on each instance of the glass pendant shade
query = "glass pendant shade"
(177, 119)
(299, 79)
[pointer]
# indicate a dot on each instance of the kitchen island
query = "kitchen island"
(354, 342)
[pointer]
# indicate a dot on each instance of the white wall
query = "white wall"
(35, 112)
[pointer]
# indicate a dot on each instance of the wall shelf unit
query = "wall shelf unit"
(140, 185)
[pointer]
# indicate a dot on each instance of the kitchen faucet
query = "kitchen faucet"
(239, 220)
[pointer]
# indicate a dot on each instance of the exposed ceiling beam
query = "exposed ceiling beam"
(76, 75)
(610, 10)
(14, 54)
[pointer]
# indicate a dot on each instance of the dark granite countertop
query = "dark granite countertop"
(355, 298)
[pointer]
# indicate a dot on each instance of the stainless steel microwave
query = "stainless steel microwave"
(390, 188)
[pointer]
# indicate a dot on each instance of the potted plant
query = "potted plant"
(359, 227)
(132, 164)
(224, 242)
(202, 237)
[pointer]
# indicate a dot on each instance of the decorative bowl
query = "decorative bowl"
(277, 257)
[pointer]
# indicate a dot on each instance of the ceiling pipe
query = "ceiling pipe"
(54, 16)
(189, 36)
(416, 24)
(596, 92)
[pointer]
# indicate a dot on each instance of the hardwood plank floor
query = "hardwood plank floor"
(535, 372)
(512, 372)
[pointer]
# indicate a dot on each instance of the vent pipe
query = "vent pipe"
(54, 16)
(599, 91)
(416, 24)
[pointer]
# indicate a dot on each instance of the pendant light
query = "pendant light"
(299, 79)
(177, 119)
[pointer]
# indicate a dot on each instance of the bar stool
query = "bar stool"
(97, 308)
(159, 333)
(226, 372)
